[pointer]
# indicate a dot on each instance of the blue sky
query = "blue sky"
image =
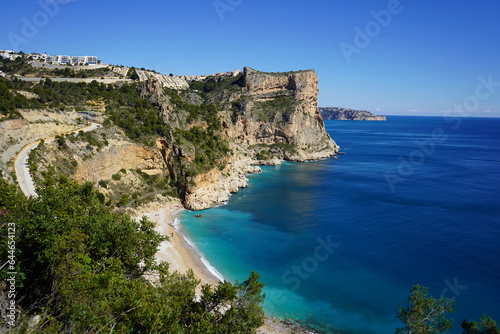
(421, 57)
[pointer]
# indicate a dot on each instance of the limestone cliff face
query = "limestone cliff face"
(216, 186)
(271, 115)
(296, 121)
(173, 82)
(265, 86)
(123, 155)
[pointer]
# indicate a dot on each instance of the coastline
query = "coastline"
(179, 251)
(182, 255)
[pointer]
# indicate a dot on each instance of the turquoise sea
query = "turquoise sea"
(340, 242)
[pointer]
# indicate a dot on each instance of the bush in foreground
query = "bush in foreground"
(81, 268)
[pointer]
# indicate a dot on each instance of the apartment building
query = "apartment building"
(71, 60)
(49, 59)
(8, 54)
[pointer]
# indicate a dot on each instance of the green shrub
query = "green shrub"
(278, 109)
(210, 149)
(264, 155)
(81, 268)
(101, 197)
(123, 201)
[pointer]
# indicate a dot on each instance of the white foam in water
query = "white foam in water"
(177, 223)
(212, 269)
(205, 262)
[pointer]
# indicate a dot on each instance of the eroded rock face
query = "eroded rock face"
(125, 156)
(152, 90)
(293, 131)
(173, 82)
(215, 187)
(301, 125)
(263, 86)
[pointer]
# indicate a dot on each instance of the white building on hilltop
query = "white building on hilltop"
(8, 54)
(49, 59)
(68, 60)
(63, 60)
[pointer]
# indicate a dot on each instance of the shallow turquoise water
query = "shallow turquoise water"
(342, 241)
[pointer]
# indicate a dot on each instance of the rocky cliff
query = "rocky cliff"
(196, 139)
(282, 108)
(259, 116)
(345, 114)
(173, 82)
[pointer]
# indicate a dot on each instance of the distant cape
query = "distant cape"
(349, 114)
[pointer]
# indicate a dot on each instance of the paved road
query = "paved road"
(22, 164)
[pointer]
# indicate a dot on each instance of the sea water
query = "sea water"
(340, 242)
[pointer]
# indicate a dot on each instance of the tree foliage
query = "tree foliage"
(424, 314)
(138, 117)
(82, 268)
(10, 101)
(485, 325)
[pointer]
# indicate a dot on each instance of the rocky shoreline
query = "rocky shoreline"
(345, 114)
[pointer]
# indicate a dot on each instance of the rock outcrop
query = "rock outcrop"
(173, 82)
(216, 186)
(122, 155)
(261, 114)
(345, 114)
(296, 121)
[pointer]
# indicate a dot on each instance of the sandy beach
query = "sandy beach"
(177, 251)
(182, 256)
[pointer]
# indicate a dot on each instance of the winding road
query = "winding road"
(22, 166)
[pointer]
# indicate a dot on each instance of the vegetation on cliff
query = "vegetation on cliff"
(213, 86)
(201, 130)
(82, 268)
(20, 66)
(10, 102)
(137, 117)
(208, 146)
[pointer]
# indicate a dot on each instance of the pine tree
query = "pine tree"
(486, 325)
(424, 314)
